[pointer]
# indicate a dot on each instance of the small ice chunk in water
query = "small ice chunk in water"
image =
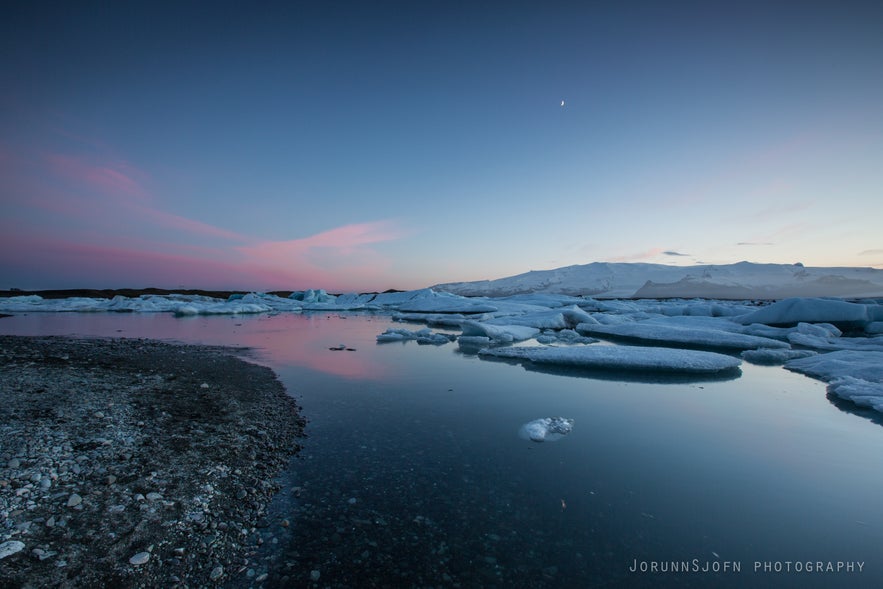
(546, 429)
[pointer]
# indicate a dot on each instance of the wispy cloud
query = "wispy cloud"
(107, 200)
(673, 253)
(873, 252)
(644, 255)
(755, 243)
(112, 178)
(332, 254)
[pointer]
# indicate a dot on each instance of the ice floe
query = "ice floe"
(422, 336)
(546, 429)
(629, 358)
(498, 333)
(771, 357)
(697, 336)
(856, 376)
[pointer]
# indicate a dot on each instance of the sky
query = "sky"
(362, 146)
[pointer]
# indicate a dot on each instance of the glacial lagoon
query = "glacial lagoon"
(414, 473)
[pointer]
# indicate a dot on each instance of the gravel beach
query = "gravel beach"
(136, 463)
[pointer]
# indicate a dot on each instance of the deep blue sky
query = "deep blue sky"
(375, 145)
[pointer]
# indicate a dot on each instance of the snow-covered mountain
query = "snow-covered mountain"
(743, 280)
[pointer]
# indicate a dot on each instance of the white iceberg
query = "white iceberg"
(498, 333)
(629, 358)
(546, 429)
(808, 310)
(566, 336)
(423, 336)
(312, 296)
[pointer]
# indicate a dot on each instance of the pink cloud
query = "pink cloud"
(111, 178)
(92, 200)
(339, 256)
(71, 263)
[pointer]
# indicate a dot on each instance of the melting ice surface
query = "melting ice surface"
(412, 474)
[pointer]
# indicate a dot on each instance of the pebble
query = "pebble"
(11, 547)
(14, 463)
(140, 558)
(154, 496)
(74, 500)
(314, 575)
(217, 573)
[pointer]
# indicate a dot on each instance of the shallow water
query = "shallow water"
(414, 474)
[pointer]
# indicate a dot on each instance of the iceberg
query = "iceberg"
(567, 336)
(808, 310)
(312, 296)
(423, 336)
(546, 429)
(433, 302)
(637, 358)
(498, 333)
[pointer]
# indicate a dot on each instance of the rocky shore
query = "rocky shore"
(136, 463)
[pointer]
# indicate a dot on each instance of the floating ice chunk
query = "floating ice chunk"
(874, 327)
(833, 343)
(423, 336)
(792, 311)
(225, 308)
(772, 357)
(430, 301)
(546, 429)
(312, 296)
(546, 319)
(499, 333)
(697, 336)
(638, 358)
(865, 365)
(819, 329)
(862, 392)
(567, 336)
(851, 375)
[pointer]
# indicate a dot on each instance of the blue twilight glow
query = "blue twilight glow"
(358, 146)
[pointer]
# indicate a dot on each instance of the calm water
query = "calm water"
(413, 473)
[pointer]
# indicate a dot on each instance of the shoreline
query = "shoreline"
(136, 463)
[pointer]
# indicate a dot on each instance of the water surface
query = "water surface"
(413, 473)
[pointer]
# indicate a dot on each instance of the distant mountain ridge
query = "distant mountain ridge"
(742, 280)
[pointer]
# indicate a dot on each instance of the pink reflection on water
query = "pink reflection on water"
(280, 340)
